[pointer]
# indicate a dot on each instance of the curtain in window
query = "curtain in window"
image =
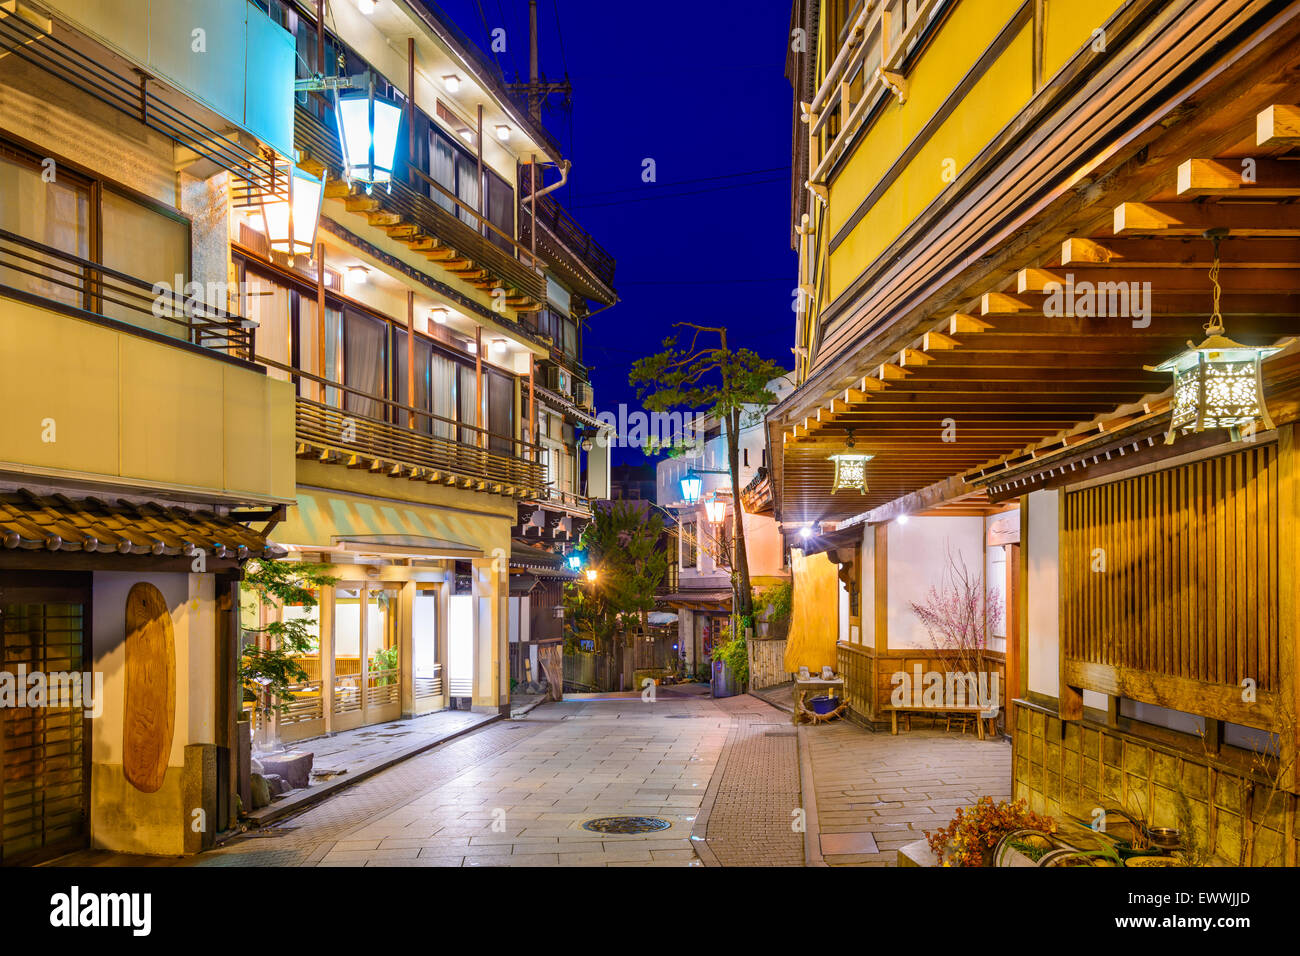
(363, 363)
(56, 214)
(309, 330)
(443, 170)
(269, 304)
(500, 210)
(501, 411)
(468, 397)
(467, 187)
(423, 353)
(443, 386)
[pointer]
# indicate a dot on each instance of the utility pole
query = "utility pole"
(538, 90)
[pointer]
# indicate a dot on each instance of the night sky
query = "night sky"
(700, 88)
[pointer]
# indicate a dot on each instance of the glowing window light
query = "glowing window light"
(716, 510)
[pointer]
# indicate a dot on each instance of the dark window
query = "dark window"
(688, 544)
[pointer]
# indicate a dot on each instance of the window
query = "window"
(55, 214)
(689, 554)
(500, 208)
(401, 372)
(745, 454)
(364, 348)
(499, 390)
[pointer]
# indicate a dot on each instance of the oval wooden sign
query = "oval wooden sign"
(150, 715)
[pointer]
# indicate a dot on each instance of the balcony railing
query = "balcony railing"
(560, 223)
(41, 274)
(419, 443)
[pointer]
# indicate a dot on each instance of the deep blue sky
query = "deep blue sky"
(700, 88)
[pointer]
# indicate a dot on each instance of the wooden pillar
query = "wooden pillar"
(1069, 699)
(532, 401)
(406, 645)
(327, 655)
(410, 109)
(478, 386)
(320, 319)
(482, 193)
(1288, 686)
(410, 355)
(881, 570)
(363, 592)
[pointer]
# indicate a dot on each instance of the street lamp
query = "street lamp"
(850, 468)
(290, 224)
(368, 127)
(692, 485)
(575, 561)
(716, 509)
(591, 575)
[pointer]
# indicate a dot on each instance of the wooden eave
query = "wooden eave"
(997, 381)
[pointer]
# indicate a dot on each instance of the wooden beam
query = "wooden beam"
(959, 323)
(1262, 219)
(1173, 251)
(1278, 125)
(1000, 303)
(1163, 281)
(1220, 177)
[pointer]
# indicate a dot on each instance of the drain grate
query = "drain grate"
(780, 733)
(626, 824)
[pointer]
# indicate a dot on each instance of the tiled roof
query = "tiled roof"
(57, 523)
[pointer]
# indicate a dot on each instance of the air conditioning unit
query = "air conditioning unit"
(558, 380)
(585, 397)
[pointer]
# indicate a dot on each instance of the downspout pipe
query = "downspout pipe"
(564, 178)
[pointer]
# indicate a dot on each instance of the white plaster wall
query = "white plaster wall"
(190, 598)
(995, 577)
(918, 559)
(867, 586)
(844, 614)
(1043, 590)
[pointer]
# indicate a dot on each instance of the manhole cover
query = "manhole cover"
(626, 824)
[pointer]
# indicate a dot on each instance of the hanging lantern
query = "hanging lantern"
(1217, 384)
(290, 224)
(850, 468)
(716, 510)
(692, 485)
(575, 561)
(368, 126)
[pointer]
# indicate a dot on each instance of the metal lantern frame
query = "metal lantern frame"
(290, 223)
(692, 487)
(850, 468)
(369, 153)
(1218, 383)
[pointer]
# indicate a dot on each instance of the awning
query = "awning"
(661, 618)
(542, 563)
(31, 522)
(701, 600)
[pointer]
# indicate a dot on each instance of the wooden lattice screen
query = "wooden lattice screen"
(1170, 585)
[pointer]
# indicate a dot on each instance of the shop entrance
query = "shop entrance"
(460, 647)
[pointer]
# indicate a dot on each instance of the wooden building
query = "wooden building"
(1008, 215)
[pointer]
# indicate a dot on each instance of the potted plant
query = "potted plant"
(970, 838)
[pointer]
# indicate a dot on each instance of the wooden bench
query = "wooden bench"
(963, 713)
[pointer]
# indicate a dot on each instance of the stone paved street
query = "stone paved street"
(894, 788)
(724, 774)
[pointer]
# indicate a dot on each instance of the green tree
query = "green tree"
(624, 547)
(268, 669)
(725, 384)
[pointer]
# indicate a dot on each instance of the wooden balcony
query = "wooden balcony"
(567, 247)
(405, 213)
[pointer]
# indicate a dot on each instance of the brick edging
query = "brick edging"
(699, 832)
(812, 851)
